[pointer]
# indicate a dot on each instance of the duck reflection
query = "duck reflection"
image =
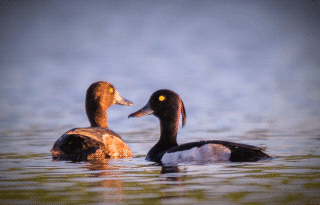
(111, 184)
(116, 184)
(173, 173)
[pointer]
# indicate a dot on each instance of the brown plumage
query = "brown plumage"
(97, 141)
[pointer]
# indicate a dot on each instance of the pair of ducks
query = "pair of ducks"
(98, 142)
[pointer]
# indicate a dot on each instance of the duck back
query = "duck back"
(81, 144)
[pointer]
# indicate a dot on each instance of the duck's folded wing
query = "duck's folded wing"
(112, 144)
(95, 133)
(75, 147)
(90, 143)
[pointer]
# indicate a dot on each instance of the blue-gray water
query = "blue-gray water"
(247, 72)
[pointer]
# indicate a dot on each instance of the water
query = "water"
(28, 174)
(247, 73)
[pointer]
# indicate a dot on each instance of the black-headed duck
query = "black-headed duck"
(167, 106)
(97, 141)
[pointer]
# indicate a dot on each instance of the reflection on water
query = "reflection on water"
(33, 177)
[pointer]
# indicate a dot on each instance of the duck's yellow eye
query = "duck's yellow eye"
(162, 98)
(111, 90)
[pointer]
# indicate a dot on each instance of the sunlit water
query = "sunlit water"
(28, 174)
(247, 72)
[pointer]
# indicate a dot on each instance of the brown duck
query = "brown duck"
(96, 141)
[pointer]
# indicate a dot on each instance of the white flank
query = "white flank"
(208, 153)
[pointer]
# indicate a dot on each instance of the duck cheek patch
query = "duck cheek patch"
(208, 153)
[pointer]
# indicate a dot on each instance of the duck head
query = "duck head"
(100, 96)
(165, 105)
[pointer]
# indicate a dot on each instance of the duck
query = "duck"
(167, 106)
(96, 141)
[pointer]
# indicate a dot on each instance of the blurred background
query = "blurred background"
(237, 65)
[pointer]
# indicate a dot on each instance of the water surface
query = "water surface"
(28, 174)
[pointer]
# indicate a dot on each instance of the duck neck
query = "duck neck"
(98, 117)
(169, 129)
(168, 137)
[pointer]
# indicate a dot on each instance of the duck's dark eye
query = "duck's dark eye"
(111, 90)
(162, 98)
